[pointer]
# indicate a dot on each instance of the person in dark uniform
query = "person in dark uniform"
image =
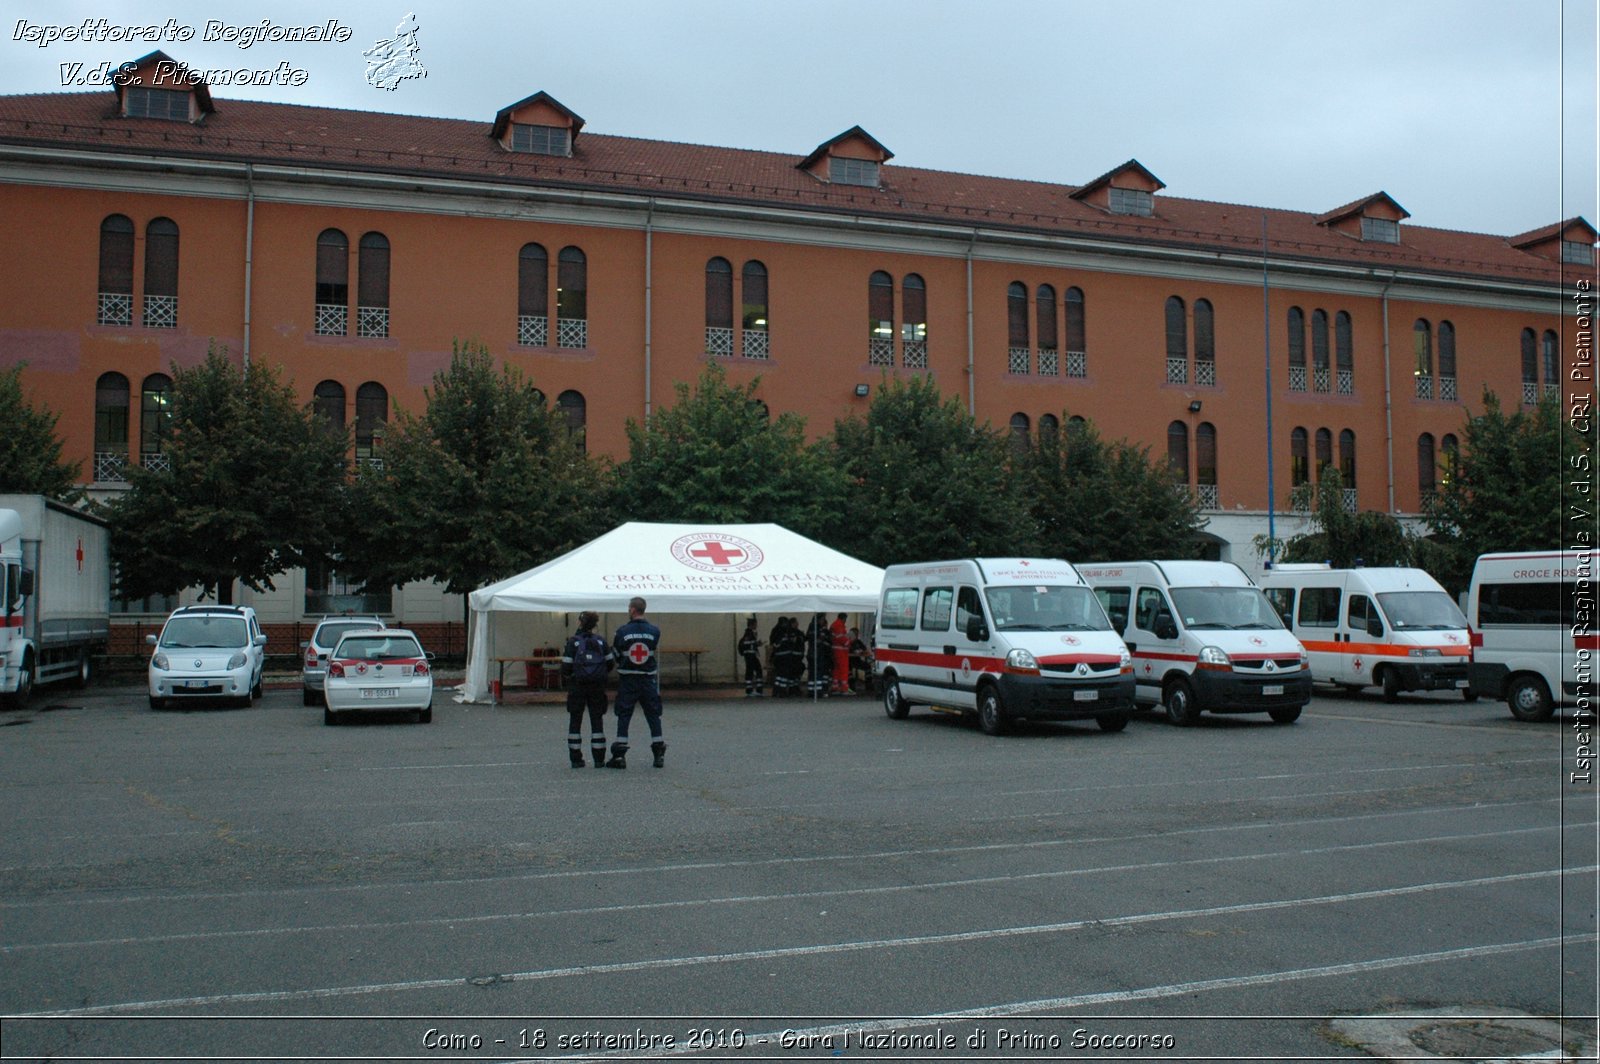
(819, 656)
(750, 649)
(638, 683)
(792, 652)
(585, 661)
(775, 656)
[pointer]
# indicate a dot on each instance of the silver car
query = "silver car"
(381, 670)
(315, 651)
(207, 652)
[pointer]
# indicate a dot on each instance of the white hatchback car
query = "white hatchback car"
(382, 669)
(207, 652)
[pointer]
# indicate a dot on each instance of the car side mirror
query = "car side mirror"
(25, 582)
(1165, 628)
(430, 655)
(1375, 627)
(150, 640)
(304, 643)
(260, 640)
(977, 631)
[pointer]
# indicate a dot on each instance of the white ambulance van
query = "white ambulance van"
(1203, 637)
(1395, 628)
(1002, 639)
(1533, 630)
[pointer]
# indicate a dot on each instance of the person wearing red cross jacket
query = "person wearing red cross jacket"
(638, 683)
(840, 633)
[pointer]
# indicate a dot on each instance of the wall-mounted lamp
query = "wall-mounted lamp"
(1194, 406)
(861, 390)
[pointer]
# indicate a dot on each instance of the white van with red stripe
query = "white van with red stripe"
(1534, 640)
(1202, 638)
(1001, 639)
(1394, 628)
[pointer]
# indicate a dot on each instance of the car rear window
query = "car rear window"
(378, 647)
(328, 635)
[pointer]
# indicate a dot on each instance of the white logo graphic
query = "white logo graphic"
(714, 552)
(395, 60)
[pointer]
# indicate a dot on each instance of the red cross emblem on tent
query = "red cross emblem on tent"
(638, 653)
(716, 552)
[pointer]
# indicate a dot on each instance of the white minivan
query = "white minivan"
(1003, 639)
(1395, 628)
(1203, 637)
(1530, 643)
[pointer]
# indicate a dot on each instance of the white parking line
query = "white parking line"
(779, 953)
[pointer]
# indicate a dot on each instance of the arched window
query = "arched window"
(1049, 427)
(333, 283)
(1205, 464)
(1019, 355)
(1177, 342)
(161, 274)
(155, 420)
(1045, 312)
(327, 400)
(880, 319)
(1344, 354)
(112, 399)
(1299, 458)
(1205, 344)
(372, 286)
(1019, 432)
(372, 421)
(575, 411)
(1297, 349)
(719, 307)
(1427, 467)
(1530, 366)
(1347, 459)
(1321, 378)
(1450, 450)
(1178, 450)
(533, 296)
(1552, 372)
(914, 326)
(572, 299)
(1324, 455)
(116, 271)
(1422, 349)
(1077, 334)
(753, 284)
(1447, 360)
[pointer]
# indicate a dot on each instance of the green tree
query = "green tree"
(1507, 491)
(925, 480)
(487, 481)
(30, 450)
(1341, 537)
(1099, 500)
(716, 456)
(252, 489)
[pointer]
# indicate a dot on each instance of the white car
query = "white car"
(384, 669)
(207, 652)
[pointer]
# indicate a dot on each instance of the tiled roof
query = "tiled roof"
(373, 142)
(1550, 232)
(1358, 206)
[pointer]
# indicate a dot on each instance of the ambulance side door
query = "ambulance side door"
(934, 642)
(1153, 641)
(1317, 624)
(973, 655)
(1363, 635)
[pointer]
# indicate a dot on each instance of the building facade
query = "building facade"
(354, 249)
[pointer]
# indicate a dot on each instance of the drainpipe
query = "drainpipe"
(1388, 393)
(649, 247)
(972, 376)
(249, 250)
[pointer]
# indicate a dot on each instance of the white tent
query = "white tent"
(677, 569)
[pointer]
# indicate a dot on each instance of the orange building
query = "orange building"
(354, 248)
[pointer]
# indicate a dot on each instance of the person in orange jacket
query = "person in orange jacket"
(840, 632)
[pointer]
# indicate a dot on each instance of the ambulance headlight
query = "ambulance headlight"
(1215, 657)
(1126, 663)
(1022, 659)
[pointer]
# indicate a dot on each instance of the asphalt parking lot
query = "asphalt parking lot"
(812, 881)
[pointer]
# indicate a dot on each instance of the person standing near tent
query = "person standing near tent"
(750, 649)
(819, 655)
(775, 656)
(839, 633)
(585, 662)
(638, 683)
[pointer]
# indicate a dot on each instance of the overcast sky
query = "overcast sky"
(1473, 114)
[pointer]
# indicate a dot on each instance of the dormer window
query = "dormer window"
(1577, 253)
(541, 140)
(1136, 201)
(1380, 230)
(169, 104)
(845, 171)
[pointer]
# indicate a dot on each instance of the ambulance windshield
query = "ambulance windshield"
(1046, 608)
(1413, 610)
(1224, 607)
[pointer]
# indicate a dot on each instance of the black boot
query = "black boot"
(619, 756)
(577, 758)
(660, 750)
(599, 753)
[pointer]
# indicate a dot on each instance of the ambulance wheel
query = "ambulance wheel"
(1112, 722)
(1529, 699)
(1468, 695)
(84, 671)
(991, 714)
(1179, 700)
(1284, 716)
(1391, 685)
(894, 703)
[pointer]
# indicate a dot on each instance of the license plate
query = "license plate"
(1463, 684)
(1272, 689)
(189, 684)
(1086, 696)
(380, 692)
